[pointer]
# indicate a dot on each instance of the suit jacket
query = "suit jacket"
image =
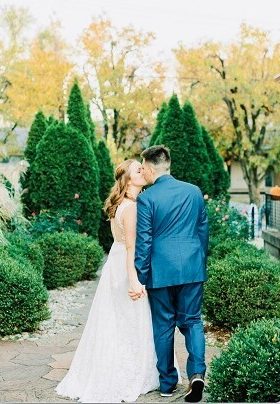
(172, 234)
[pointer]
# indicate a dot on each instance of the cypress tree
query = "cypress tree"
(64, 176)
(37, 131)
(106, 171)
(173, 136)
(77, 112)
(91, 129)
(198, 164)
(221, 178)
(155, 139)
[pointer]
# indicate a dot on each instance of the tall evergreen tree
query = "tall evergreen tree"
(221, 179)
(91, 129)
(37, 131)
(198, 164)
(64, 176)
(77, 111)
(106, 171)
(172, 135)
(155, 138)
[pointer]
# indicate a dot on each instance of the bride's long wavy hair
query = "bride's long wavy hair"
(119, 190)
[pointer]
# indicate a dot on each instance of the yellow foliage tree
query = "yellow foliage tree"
(40, 81)
(235, 94)
(124, 87)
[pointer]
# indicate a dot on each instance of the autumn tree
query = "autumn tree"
(41, 79)
(234, 90)
(124, 87)
(14, 21)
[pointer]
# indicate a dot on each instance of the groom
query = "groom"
(170, 258)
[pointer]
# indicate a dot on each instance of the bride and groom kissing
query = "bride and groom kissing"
(151, 283)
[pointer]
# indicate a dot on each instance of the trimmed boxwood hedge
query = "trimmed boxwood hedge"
(248, 370)
(23, 296)
(241, 288)
(69, 257)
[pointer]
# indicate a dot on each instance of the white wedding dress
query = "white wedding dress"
(115, 359)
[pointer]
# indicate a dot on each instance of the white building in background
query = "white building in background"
(238, 187)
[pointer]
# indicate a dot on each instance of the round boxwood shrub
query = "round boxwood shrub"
(21, 246)
(248, 370)
(238, 247)
(94, 255)
(23, 297)
(69, 257)
(63, 262)
(242, 288)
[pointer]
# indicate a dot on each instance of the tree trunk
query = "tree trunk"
(115, 126)
(250, 175)
(105, 124)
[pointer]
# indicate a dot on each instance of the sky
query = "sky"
(188, 21)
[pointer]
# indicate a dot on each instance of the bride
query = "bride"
(115, 360)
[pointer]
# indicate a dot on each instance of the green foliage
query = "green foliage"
(94, 256)
(155, 138)
(65, 176)
(64, 263)
(91, 125)
(106, 171)
(248, 370)
(22, 247)
(236, 246)
(69, 257)
(77, 112)
(198, 169)
(37, 131)
(242, 287)
(23, 297)
(220, 177)
(50, 221)
(225, 222)
(172, 136)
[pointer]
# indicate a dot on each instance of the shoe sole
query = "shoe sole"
(195, 394)
(168, 394)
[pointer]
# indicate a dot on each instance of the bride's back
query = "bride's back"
(117, 226)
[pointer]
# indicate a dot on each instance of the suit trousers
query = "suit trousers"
(177, 306)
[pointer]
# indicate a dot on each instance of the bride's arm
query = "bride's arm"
(129, 222)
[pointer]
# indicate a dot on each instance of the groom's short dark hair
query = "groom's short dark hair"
(157, 155)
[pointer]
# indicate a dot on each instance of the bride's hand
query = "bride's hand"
(136, 289)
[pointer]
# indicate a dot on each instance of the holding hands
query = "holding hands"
(136, 289)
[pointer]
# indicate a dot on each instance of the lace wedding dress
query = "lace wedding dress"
(115, 359)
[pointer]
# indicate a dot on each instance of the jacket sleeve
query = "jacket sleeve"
(203, 228)
(143, 246)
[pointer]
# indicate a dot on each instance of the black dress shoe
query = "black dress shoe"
(169, 393)
(196, 386)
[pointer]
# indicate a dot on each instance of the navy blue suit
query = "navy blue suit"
(170, 259)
